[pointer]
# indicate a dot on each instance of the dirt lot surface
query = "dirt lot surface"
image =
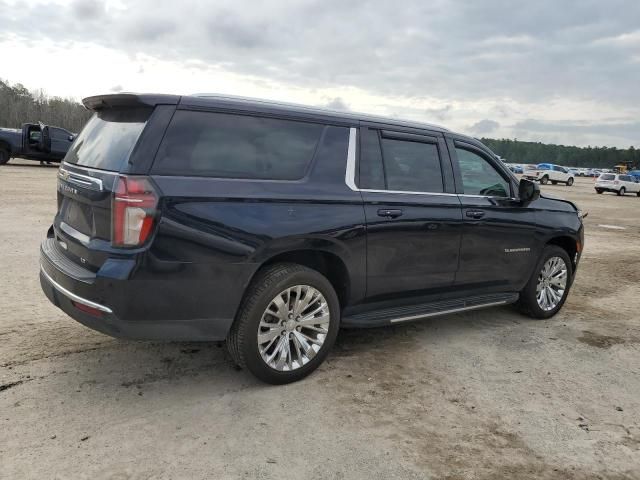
(487, 394)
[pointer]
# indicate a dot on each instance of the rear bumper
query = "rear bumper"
(123, 305)
(606, 188)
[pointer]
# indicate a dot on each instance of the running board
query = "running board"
(388, 316)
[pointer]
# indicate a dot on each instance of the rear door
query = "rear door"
(86, 180)
(413, 216)
(498, 238)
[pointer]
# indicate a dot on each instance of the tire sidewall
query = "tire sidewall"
(622, 191)
(544, 180)
(253, 359)
(529, 292)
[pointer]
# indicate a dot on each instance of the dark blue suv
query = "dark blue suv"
(270, 226)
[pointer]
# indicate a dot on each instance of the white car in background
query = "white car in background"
(548, 172)
(617, 183)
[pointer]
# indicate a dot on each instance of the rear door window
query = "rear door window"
(412, 166)
(236, 146)
(108, 138)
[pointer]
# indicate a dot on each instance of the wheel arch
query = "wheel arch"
(327, 263)
(568, 244)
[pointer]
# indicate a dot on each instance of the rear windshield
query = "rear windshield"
(606, 176)
(236, 146)
(108, 138)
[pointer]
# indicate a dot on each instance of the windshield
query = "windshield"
(544, 166)
(108, 138)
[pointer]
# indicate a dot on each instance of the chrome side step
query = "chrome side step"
(384, 316)
(446, 312)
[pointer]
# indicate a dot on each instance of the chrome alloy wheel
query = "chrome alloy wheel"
(552, 282)
(293, 328)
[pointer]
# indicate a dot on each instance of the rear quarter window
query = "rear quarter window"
(236, 146)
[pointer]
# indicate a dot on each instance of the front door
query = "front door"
(413, 223)
(498, 240)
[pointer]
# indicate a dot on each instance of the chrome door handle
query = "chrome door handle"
(390, 212)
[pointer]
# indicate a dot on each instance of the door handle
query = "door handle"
(476, 214)
(391, 213)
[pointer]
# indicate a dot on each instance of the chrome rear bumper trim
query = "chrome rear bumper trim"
(72, 295)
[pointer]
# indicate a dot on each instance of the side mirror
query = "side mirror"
(528, 191)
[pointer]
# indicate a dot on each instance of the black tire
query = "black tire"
(4, 156)
(598, 191)
(528, 304)
(242, 341)
(544, 180)
(622, 191)
(569, 182)
(553, 182)
(638, 194)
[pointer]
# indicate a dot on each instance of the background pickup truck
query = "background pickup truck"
(34, 141)
(548, 172)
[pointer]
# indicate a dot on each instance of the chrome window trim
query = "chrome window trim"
(72, 295)
(350, 175)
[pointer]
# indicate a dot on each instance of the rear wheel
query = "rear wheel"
(4, 157)
(622, 191)
(598, 190)
(570, 182)
(286, 325)
(548, 287)
(544, 180)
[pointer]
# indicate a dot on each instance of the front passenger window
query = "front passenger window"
(479, 177)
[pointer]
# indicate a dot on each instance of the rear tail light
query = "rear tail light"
(133, 211)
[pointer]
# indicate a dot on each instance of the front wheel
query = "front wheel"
(4, 157)
(569, 182)
(544, 180)
(548, 287)
(286, 325)
(622, 191)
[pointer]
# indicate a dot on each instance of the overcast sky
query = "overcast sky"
(545, 70)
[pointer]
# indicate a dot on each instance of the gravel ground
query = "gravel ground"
(486, 394)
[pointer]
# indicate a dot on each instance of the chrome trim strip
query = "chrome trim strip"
(83, 180)
(350, 175)
(72, 295)
(69, 230)
(445, 312)
(97, 170)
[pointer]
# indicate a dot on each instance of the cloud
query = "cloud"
(467, 55)
(484, 127)
(337, 104)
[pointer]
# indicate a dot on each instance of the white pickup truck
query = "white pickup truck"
(548, 172)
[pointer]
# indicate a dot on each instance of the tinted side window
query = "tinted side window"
(236, 146)
(479, 177)
(412, 166)
(371, 171)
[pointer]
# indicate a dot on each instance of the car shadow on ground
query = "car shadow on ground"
(207, 365)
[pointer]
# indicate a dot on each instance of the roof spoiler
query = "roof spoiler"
(98, 102)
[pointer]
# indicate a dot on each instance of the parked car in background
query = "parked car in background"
(548, 172)
(617, 183)
(34, 141)
(516, 169)
(635, 174)
(273, 225)
(573, 172)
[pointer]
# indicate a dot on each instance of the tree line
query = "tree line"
(515, 151)
(18, 105)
